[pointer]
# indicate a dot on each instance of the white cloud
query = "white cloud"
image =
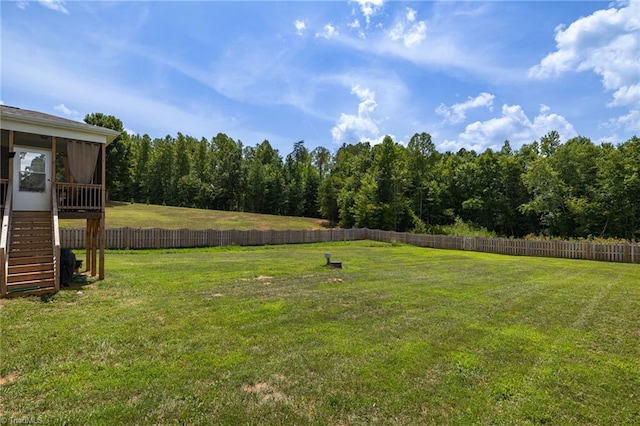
(355, 25)
(57, 5)
(607, 43)
(301, 26)
(66, 111)
(411, 15)
(370, 8)
(408, 31)
(630, 121)
(456, 113)
(361, 126)
(328, 31)
(22, 4)
(416, 34)
(513, 125)
(626, 95)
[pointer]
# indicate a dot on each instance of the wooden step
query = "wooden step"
(38, 227)
(28, 226)
(29, 245)
(26, 216)
(38, 292)
(30, 232)
(37, 276)
(45, 239)
(31, 253)
(22, 220)
(30, 267)
(45, 283)
(30, 260)
(33, 290)
(30, 213)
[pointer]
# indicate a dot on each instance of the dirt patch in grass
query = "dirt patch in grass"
(8, 379)
(260, 278)
(264, 391)
(259, 387)
(264, 278)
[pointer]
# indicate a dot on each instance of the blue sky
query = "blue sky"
(471, 74)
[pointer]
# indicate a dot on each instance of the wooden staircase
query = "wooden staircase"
(31, 263)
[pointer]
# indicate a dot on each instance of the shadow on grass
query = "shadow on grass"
(78, 283)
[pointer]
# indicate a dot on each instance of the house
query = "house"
(51, 168)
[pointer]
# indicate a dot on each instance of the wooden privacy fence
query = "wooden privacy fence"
(136, 238)
(156, 238)
(608, 252)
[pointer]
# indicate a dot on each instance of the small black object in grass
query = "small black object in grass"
(332, 263)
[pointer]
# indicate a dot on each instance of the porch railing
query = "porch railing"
(55, 239)
(79, 197)
(4, 243)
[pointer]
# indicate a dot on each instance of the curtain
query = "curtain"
(83, 158)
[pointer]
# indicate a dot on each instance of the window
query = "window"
(32, 172)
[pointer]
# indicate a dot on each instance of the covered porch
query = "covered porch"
(51, 168)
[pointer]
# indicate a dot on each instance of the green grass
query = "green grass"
(120, 215)
(268, 335)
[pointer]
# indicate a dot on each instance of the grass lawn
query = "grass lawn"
(120, 215)
(267, 335)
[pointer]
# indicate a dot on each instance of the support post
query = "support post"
(54, 148)
(102, 224)
(94, 249)
(102, 235)
(87, 244)
(11, 160)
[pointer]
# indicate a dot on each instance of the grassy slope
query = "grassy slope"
(266, 335)
(151, 216)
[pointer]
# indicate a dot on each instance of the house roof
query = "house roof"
(13, 118)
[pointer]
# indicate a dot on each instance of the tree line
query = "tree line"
(575, 189)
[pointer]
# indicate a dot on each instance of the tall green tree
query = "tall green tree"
(228, 173)
(162, 164)
(302, 182)
(351, 164)
(185, 186)
(421, 159)
(619, 190)
(390, 171)
(142, 152)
